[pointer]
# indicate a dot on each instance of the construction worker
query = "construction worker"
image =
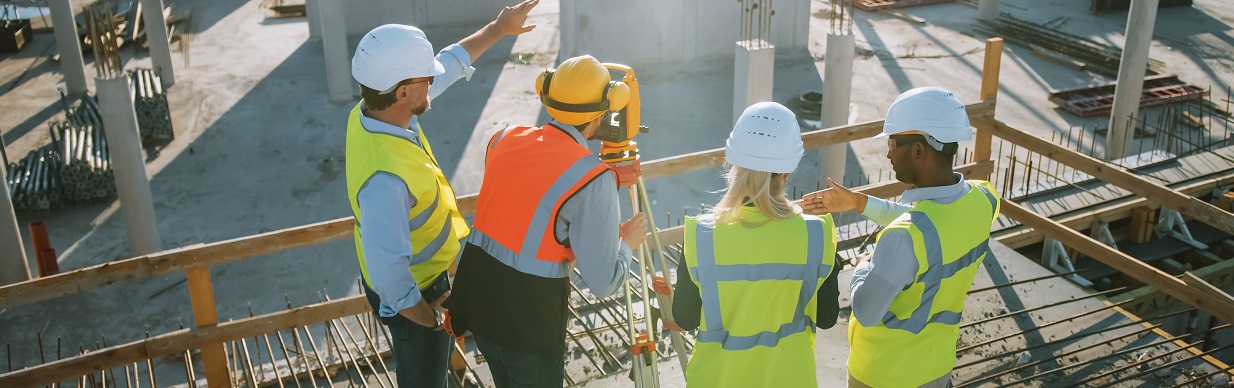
(546, 204)
(908, 296)
(754, 265)
(407, 226)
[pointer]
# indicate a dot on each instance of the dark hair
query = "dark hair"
(376, 101)
(944, 158)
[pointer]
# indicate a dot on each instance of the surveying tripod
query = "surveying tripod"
(621, 153)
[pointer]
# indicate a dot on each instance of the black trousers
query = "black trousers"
(515, 369)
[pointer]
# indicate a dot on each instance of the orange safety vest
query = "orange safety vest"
(529, 173)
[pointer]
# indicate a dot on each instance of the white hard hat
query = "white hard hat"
(930, 110)
(766, 138)
(392, 53)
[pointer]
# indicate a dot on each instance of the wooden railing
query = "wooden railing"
(209, 336)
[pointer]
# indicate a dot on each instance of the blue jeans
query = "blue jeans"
(421, 355)
(512, 368)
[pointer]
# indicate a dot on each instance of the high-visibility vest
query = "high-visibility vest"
(436, 224)
(529, 173)
(915, 342)
(759, 287)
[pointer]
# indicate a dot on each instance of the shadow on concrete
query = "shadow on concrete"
(32, 122)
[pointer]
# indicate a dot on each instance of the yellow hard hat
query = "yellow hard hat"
(580, 90)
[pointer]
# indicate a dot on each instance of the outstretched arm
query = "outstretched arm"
(508, 22)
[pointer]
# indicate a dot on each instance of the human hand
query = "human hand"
(634, 230)
(660, 285)
(669, 324)
(427, 314)
(833, 199)
(861, 258)
(510, 20)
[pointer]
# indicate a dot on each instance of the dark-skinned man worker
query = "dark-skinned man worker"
(546, 205)
(407, 226)
(908, 297)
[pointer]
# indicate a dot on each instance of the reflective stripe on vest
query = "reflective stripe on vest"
(709, 274)
(937, 271)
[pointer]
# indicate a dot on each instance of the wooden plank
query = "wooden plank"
(1023, 237)
(205, 314)
(989, 92)
(1185, 204)
(1219, 307)
(174, 260)
(178, 341)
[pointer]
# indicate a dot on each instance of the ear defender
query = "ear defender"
(616, 95)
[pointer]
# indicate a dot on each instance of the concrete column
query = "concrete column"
(334, 44)
(754, 74)
(13, 265)
(124, 145)
(156, 38)
(987, 9)
(313, 14)
(1130, 78)
(71, 63)
(837, 93)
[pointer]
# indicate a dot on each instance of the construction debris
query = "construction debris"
(1097, 57)
(1099, 99)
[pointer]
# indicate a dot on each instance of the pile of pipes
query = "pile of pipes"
(34, 180)
(150, 102)
(1060, 46)
(87, 174)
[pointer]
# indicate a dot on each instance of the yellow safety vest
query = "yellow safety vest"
(436, 225)
(758, 287)
(915, 342)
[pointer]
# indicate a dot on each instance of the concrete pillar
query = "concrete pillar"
(837, 93)
(987, 9)
(754, 74)
(334, 44)
(156, 38)
(313, 14)
(67, 42)
(13, 265)
(124, 145)
(1130, 78)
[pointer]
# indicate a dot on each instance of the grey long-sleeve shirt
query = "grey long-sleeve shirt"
(588, 222)
(893, 265)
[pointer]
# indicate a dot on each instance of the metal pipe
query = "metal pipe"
(1042, 307)
(376, 351)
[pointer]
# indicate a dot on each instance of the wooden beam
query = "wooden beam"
(1187, 205)
(1219, 307)
(1156, 329)
(1020, 237)
(178, 341)
(173, 260)
(205, 314)
(984, 143)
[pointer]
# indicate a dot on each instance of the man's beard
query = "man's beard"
(420, 109)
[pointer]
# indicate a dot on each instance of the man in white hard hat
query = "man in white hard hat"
(908, 297)
(407, 226)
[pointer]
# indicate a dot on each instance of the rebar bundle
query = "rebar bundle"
(1101, 58)
(105, 37)
(150, 102)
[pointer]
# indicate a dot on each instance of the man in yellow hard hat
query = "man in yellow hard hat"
(546, 204)
(407, 226)
(908, 297)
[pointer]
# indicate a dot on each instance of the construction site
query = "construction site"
(175, 210)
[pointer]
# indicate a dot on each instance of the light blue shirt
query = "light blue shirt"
(893, 265)
(384, 203)
(589, 220)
